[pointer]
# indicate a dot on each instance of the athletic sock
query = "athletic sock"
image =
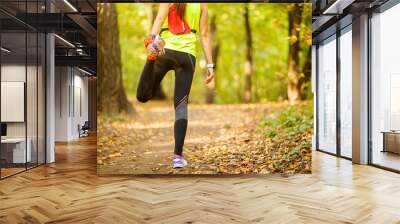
(176, 156)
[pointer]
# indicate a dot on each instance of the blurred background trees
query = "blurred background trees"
(111, 97)
(262, 52)
(248, 64)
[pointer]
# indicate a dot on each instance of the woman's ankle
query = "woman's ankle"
(178, 155)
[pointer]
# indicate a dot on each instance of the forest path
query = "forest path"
(219, 139)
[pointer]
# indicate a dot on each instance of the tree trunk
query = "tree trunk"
(293, 90)
(111, 96)
(248, 65)
(210, 88)
(159, 94)
(304, 82)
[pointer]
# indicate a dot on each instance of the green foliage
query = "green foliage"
(290, 131)
(134, 25)
(289, 122)
(269, 24)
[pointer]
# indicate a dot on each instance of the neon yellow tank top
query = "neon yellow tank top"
(184, 42)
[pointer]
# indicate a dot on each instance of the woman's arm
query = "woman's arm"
(205, 40)
(156, 28)
(161, 15)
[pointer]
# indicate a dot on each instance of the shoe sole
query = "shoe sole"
(180, 166)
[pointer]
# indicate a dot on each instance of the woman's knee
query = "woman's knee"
(143, 98)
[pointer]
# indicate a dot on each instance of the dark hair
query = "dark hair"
(180, 9)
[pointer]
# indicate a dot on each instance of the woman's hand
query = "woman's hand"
(151, 50)
(210, 75)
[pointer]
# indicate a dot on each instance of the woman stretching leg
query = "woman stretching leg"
(179, 56)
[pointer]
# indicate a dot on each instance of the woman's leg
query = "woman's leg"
(152, 74)
(183, 82)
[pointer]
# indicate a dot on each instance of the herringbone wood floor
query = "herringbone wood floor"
(70, 192)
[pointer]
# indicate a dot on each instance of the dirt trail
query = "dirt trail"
(220, 139)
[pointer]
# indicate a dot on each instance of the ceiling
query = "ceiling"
(74, 22)
(328, 15)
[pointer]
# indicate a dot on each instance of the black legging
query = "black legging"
(154, 71)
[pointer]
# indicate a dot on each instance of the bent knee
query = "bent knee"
(142, 98)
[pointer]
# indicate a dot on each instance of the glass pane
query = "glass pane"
(31, 98)
(31, 86)
(327, 96)
(13, 87)
(345, 94)
(385, 114)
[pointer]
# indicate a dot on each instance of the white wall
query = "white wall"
(71, 102)
(13, 73)
(80, 111)
(62, 81)
(33, 126)
(10, 73)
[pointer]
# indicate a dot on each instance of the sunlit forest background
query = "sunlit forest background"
(268, 30)
(263, 81)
